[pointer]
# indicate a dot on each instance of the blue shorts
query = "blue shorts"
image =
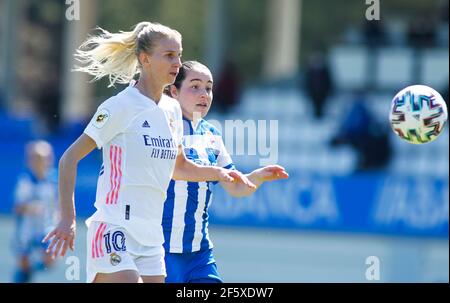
(195, 267)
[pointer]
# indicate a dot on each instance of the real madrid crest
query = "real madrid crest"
(114, 258)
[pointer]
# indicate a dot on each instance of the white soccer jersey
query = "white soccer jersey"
(140, 142)
(185, 217)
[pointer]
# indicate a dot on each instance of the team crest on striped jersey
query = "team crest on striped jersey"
(210, 135)
(101, 118)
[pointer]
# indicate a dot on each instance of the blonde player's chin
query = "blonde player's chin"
(171, 78)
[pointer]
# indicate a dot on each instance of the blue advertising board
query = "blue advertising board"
(373, 203)
(369, 203)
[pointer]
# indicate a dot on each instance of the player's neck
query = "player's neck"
(149, 89)
(195, 117)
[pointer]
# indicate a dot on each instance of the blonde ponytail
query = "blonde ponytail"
(116, 54)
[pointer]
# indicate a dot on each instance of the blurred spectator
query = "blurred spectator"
(445, 95)
(443, 11)
(318, 82)
(2, 100)
(374, 34)
(35, 211)
(374, 37)
(422, 32)
(227, 88)
(48, 101)
(366, 135)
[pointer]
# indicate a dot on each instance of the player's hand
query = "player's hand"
(237, 176)
(271, 173)
(62, 237)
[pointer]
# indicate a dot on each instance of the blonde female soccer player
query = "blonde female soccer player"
(189, 256)
(140, 132)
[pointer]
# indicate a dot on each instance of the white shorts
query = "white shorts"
(110, 248)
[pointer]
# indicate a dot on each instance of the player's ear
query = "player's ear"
(173, 91)
(144, 58)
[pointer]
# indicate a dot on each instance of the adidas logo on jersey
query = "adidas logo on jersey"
(145, 124)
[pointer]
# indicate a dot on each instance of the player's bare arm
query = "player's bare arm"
(257, 177)
(189, 171)
(63, 236)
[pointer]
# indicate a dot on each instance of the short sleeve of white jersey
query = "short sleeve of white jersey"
(23, 191)
(224, 158)
(109, 120)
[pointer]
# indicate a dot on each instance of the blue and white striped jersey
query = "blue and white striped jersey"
(185, 217)
(40, 196)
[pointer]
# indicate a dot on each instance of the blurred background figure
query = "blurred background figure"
(422, 31)
(35, 211)
(445, 95)
(318, 82)
(374, 38)
(443, 11)
(2, 99)
(374, 34)
(48, 102)
(361, 130)
(227, 88)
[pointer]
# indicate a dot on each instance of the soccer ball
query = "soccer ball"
(418, 114)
